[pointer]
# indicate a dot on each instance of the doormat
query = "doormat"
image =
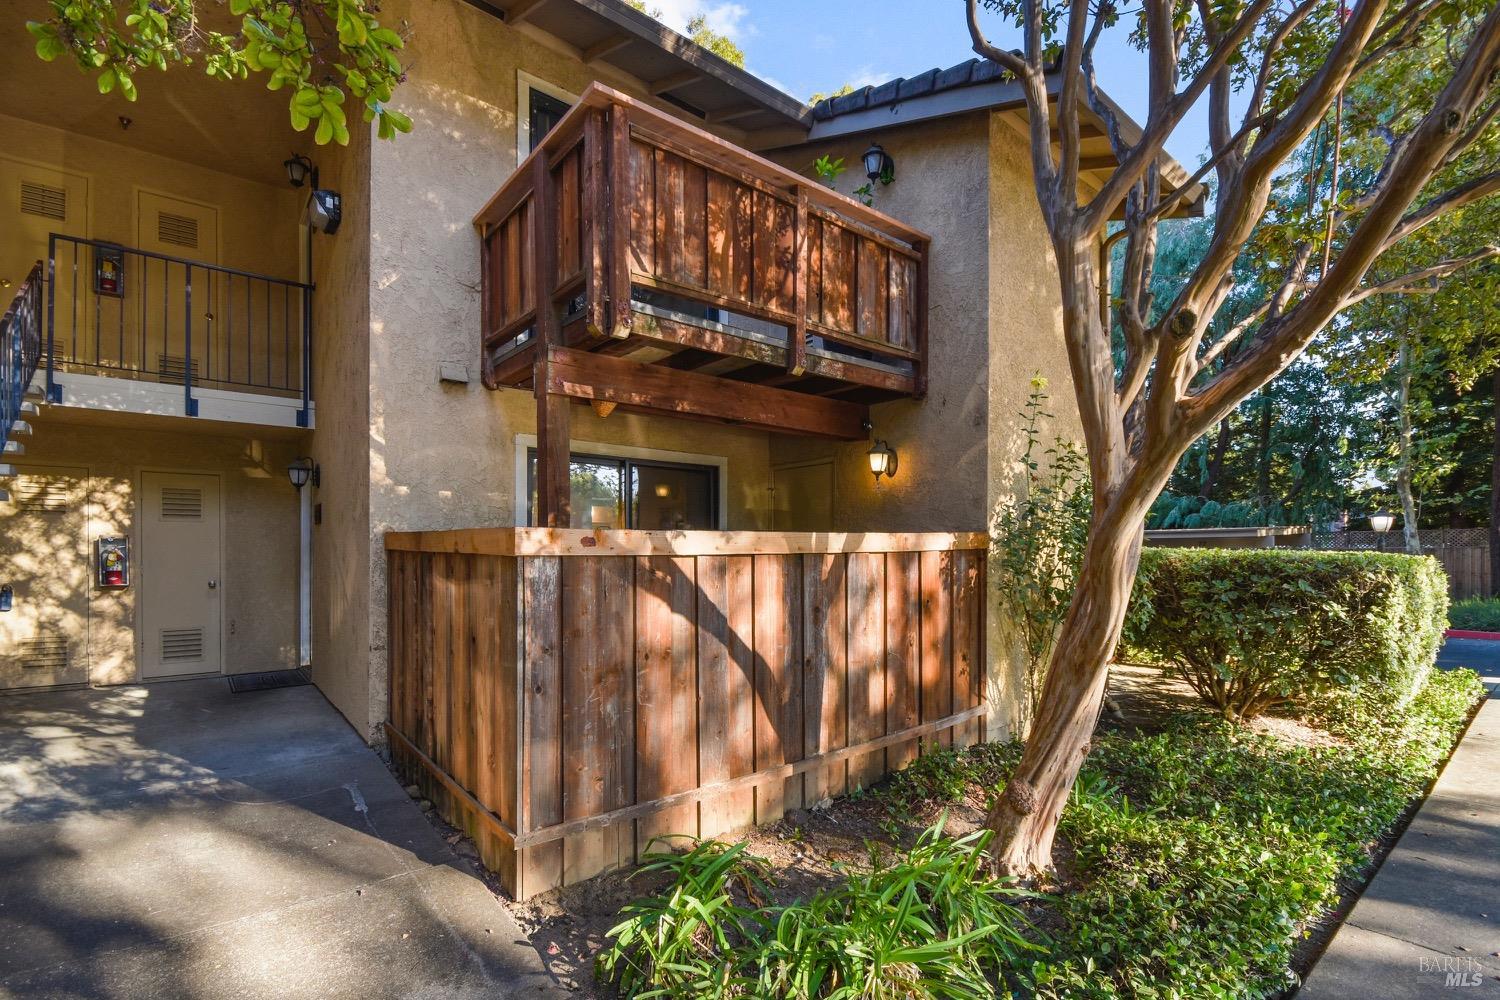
(268, 680)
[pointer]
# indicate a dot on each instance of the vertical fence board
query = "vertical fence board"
(484, 667)
(825, 671)
(666, 693)
(902, 618)
(968, 640)
(937, 640)
(866, 691)
(598, 717)
(778, 681)
(541, 867)
(726, 687)
(460, 714)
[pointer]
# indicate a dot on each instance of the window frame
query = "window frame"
(525, 84)
(526, 445)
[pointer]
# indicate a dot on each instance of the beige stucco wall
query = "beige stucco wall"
(259, 534)
(994, 322)
(257, 222)
(440, 455)
(341, 442)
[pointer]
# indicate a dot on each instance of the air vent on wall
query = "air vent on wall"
(45, 200)
(42, 495)
(48, 651)
(179, 230)
(179, 502)
(170, 366)
(178, 644)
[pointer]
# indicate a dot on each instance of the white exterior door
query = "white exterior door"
(181, 575)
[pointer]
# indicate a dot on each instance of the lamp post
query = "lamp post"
(1380, 523)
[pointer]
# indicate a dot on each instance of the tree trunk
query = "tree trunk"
(1495, 488)
(1263, 461)
(1216, 462)
(1405, 453)
(1024, 816)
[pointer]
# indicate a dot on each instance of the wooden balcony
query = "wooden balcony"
(635, 261)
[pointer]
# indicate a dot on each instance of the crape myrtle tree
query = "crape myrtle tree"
(1290, 62)
(321, 52)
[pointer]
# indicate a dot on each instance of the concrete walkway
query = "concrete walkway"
(178, 840)
(1429, 924)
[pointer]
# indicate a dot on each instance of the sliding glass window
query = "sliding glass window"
(622, 492)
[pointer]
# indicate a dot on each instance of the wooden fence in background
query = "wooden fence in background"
(1464, 553)
(566, 696)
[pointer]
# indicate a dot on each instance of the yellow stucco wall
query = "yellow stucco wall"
(443, 455)
(341, 442)
(413, 452)
(257, 222)
(995, 321)
(259, 551)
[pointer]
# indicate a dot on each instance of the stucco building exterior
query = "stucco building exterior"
(361, 347)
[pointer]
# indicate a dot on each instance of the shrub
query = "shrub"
(929, 923)
(684, 942)
(1039, 537)
(1481, 614)
(1203, 853)
(1250, 629)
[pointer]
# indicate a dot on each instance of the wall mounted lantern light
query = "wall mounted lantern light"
(325, 208)
(299, 169)
(882, 460)
(1382, 521)
(302, 470)
(878, 164)
(663, 490)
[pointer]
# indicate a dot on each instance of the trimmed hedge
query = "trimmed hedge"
(1251, 629)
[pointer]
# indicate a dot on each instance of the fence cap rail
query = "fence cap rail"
(600, 542)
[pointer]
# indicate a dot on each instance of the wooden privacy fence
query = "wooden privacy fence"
(1464, 553)
(566, 696)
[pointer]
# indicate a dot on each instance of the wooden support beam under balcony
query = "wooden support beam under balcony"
(631, 236)
(659, 389)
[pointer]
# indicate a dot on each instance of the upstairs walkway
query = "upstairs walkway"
(1429, 924)
(178, 840)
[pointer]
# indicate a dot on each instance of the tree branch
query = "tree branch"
(1466, 193)
(1167, 113)
(1423, 281)
(1030, 75)
(1283, 340)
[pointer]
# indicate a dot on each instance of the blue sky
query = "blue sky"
(805, 47)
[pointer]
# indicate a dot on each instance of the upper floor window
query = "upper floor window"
(539, 107)
(546, 112)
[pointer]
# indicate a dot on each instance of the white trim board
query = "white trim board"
(525, 442)
(525, 84)
(124, 395)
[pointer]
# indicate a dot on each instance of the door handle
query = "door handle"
(213, 584)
